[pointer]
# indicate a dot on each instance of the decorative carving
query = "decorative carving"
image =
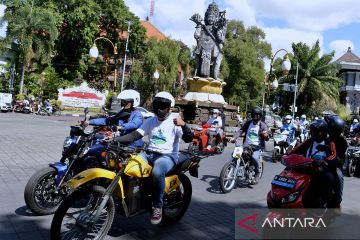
(210, 37)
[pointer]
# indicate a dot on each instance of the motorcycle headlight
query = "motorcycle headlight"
(290, 198)
(67, 142)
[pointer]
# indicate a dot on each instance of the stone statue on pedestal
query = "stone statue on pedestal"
(210, 37)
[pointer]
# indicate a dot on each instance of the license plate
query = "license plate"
(284, 182)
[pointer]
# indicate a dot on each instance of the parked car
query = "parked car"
(5, 102)
(145, 113)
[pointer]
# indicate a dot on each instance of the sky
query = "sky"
(335, 23)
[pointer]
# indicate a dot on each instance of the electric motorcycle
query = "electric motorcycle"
(240, 168)
(81, 150)
(201, 137)
(294, 186)
(126, 188)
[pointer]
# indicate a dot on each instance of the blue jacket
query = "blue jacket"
(290, 127)
(134, 122)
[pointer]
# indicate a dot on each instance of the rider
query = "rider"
(336, 129)
(256, 133)
(165, 131)
(354, 125)
(325, 180)
(304, 124)
(129, 100)
(216, 127)
(290, 128)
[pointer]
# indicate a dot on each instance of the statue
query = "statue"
(210, 37)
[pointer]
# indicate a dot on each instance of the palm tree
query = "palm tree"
(317, 78)
(34, 28)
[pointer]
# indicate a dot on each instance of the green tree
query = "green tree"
(34, 28)
(95, 18)
(243, 66)
(317, 78)
(162, 56)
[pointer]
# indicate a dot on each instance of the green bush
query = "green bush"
(108, 99)
(20, 97)
(343, 113)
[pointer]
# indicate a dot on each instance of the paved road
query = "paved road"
(30, 142)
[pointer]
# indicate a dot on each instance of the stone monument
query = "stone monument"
(210, 36)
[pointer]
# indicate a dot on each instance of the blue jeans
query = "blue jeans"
(256, 157)
(162, 164)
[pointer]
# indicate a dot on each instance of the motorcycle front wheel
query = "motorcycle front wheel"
(228, 177)
(275, 155)
(177, 202)
(39, 194)
(74, 218)
(351, 167)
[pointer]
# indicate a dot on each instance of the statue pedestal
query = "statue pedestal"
(205, 90)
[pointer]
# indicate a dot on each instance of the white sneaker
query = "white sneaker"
(208, 147)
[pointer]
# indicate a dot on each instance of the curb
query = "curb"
(73, 115)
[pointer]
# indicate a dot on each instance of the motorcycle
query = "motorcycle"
(281, 145)
(20, 107)
(294, 186)
(81, 150)
(352, 159)
(240, 168)
(201, 137)
(125, 189)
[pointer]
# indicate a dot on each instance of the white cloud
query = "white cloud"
(240, 10)
(3, 28)
(340, 47)
(284, 37)
(313, 15)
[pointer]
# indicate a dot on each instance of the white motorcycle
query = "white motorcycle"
(281, 145)
(240, 168)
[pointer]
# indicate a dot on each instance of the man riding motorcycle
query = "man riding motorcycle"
(354, 125)
(256, 133)
(216, 127)
(289, 127)
(164, 131)
(325, 180)
(129, 100)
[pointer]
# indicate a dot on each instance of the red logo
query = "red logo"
(242, 224)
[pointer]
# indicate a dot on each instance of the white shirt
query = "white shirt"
(216, 122)
(164, 136)
(252, 135)
(314, 152)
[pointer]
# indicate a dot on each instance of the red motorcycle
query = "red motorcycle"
(201, 137)
(294, 186)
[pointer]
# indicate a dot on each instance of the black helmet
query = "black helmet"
(336, 125)
(319, 126)
(256, 111)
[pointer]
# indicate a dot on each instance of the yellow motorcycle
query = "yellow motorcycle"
(98, 193)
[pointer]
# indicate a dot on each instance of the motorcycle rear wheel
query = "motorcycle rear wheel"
(38, 196)
(275, 156)
(173, 212)
(85, 202)
(227, 177)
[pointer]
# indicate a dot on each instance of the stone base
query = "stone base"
(204, 97)
(205, 85)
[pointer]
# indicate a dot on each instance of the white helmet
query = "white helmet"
(167, 96)
(215, 110)
(303, 116)
(355, 121)
(288, 117)
(130, 95)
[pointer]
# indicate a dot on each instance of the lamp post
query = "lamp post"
(94, 53)
(286, 66)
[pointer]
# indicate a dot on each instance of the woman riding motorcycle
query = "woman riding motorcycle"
(216, 124)
(129, 100)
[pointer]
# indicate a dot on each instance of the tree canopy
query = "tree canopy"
(243, 66)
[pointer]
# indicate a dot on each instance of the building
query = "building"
(350, 73)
